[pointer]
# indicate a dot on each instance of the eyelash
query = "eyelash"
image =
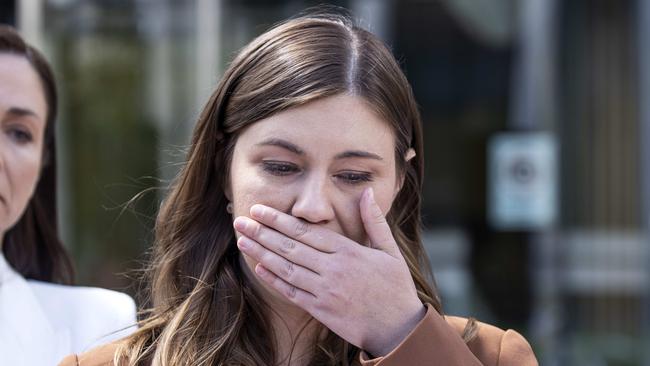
(283, 169)
(356, 178)
(278, 168)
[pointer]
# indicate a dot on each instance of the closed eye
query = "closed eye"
(354, 178)
(279, 168)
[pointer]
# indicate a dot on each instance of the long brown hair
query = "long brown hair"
(204, 311)
(32, 245)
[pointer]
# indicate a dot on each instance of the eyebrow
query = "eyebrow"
(358, 154)
(298, 151)
(17, 111)
(283, 144)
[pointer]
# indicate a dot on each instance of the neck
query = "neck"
(293, 328)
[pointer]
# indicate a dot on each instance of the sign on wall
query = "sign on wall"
(522, 168)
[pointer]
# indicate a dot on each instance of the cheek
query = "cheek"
(349, 215)
(348, 218)
(27, 177)
(384, 201)
(23, 170)
(250, 188)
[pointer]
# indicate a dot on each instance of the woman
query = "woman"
(41, 318)
(272, 247)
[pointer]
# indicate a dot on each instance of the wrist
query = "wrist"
(384, 344)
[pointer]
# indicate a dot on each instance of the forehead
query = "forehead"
(333, 124)
(20, 86)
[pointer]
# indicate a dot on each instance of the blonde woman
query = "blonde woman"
(292, 234)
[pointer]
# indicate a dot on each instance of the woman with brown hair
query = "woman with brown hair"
(272, 247)
(41, 318)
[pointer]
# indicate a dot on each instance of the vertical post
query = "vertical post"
(29, 21)
(208, 49)
(156, 29)
(533, 90)
(643, 37)
(533, 108)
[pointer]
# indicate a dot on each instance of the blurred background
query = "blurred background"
(537, 128)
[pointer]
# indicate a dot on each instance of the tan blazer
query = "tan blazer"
(435, 340)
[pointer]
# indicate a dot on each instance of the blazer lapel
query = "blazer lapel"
(26, 335)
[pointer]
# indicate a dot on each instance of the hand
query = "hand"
(364, 294)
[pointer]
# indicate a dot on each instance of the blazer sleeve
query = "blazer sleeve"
(70, 360)
(515, 350)
(437, 341)
(99, 356)
(431, 342)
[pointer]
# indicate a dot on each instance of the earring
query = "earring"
(229, 207)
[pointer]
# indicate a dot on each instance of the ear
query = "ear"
(410, 154)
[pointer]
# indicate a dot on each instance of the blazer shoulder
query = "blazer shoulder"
(93, 296)
(92, 316)
(71, 300)
(495, 346)
(100, 356)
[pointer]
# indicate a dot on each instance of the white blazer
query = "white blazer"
(40, 323)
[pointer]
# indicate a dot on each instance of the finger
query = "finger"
(288, 271)
(315, 236)
(376, 225)
(291, 249)
(299, 297)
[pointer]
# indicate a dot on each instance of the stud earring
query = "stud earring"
(229, 207)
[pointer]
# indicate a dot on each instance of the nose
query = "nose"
(313, 203)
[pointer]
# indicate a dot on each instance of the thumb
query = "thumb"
(376, 225)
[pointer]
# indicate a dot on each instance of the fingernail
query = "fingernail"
(260, 270)
(243, 243)
(257, 211)
(240, 224)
